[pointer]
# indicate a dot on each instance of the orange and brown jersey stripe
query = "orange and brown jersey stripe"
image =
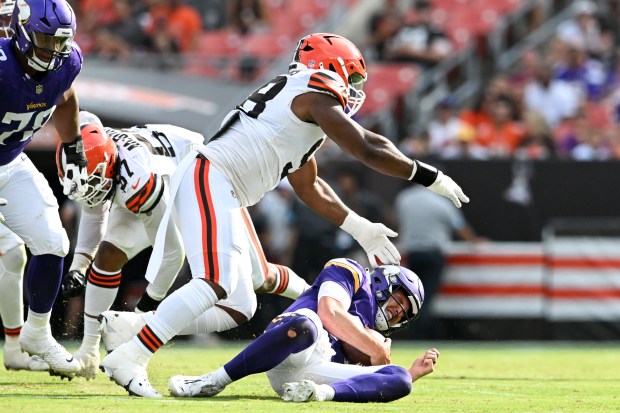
(142, 195)
(323, 82)
(12, 332)
(149, 339)
(104, 280)
(255, 241)
(283, 285)
(208, 222)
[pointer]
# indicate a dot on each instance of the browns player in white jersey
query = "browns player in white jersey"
(129, 171)
(272, 134)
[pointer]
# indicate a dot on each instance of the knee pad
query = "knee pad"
(13, 261)
(305, 329)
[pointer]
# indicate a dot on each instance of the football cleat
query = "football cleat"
(128, 370)
(39, 342)
(195, 386)
(304, 391)
(89, 362)
(118, 327)
(16, 359)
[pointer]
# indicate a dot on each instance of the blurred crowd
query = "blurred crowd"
(562, 100)
(117, 29)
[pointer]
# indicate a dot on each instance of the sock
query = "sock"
(101, 290)
(386, 384)
(44, 275)
(221, 377)
(91, 339)
(287, 336)
(174, 313)
(288, 283)
(38, 320)
(12, 265)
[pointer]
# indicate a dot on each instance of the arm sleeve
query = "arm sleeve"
(93, 223)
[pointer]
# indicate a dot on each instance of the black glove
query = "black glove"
(74, 182)
(73, 284)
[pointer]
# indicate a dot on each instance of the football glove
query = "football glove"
(74, 182)
(438, 182)
(73, 284)
(373, 237)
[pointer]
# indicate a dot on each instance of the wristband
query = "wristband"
(74, 152)
(424, 174)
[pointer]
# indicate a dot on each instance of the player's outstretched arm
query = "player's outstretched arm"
(424, 364)
(373, 150)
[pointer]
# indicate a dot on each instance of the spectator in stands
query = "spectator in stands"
(174, 26)
(525, 72)
(587, 75)
(537, 142)
(248, 16)
(382, 26)
(465, 146)
(124, 35)
(554, 99)
(426, 226)
(592, 143)
(421, 41)
(445, 126)
(501, 135)
(583, 28)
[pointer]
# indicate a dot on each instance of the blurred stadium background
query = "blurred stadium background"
(459, 83)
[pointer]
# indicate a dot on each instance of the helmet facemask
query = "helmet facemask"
(385, 281)
(98, 187)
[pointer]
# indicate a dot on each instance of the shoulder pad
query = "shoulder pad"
(326, 81)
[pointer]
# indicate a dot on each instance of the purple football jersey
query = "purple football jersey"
(354, 279)
(26, 104)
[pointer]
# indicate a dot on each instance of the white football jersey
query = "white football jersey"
(147, 157)
(262, 141)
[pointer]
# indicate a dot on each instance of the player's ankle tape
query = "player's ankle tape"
(147, 303)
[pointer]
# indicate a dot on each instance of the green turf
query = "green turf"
(469, 378)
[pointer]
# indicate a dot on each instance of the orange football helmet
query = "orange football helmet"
(335, 53)
(101, 154)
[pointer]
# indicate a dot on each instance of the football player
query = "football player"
(272, 134)
(128, 173)
(39, 63)
(303, 351)
(12, 264)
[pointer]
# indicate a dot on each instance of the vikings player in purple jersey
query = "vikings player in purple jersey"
(38, 65)
(302, 349)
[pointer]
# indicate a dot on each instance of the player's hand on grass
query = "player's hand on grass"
(424, 365)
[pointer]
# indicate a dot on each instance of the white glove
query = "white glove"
(74, 182)
(444, 185)
(373, 238)
(2, 203)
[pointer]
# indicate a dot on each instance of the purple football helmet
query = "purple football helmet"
(384, 281)
(43, 31)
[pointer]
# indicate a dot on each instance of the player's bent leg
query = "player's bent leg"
(282, 280)
(288, 334)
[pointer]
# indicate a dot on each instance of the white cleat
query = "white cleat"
(303, 391)
(128, 370)
(16, 359)
(89, 362)
(194, 386)
(39, 342)
(118, 327)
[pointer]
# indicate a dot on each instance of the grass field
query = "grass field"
(470, 378)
